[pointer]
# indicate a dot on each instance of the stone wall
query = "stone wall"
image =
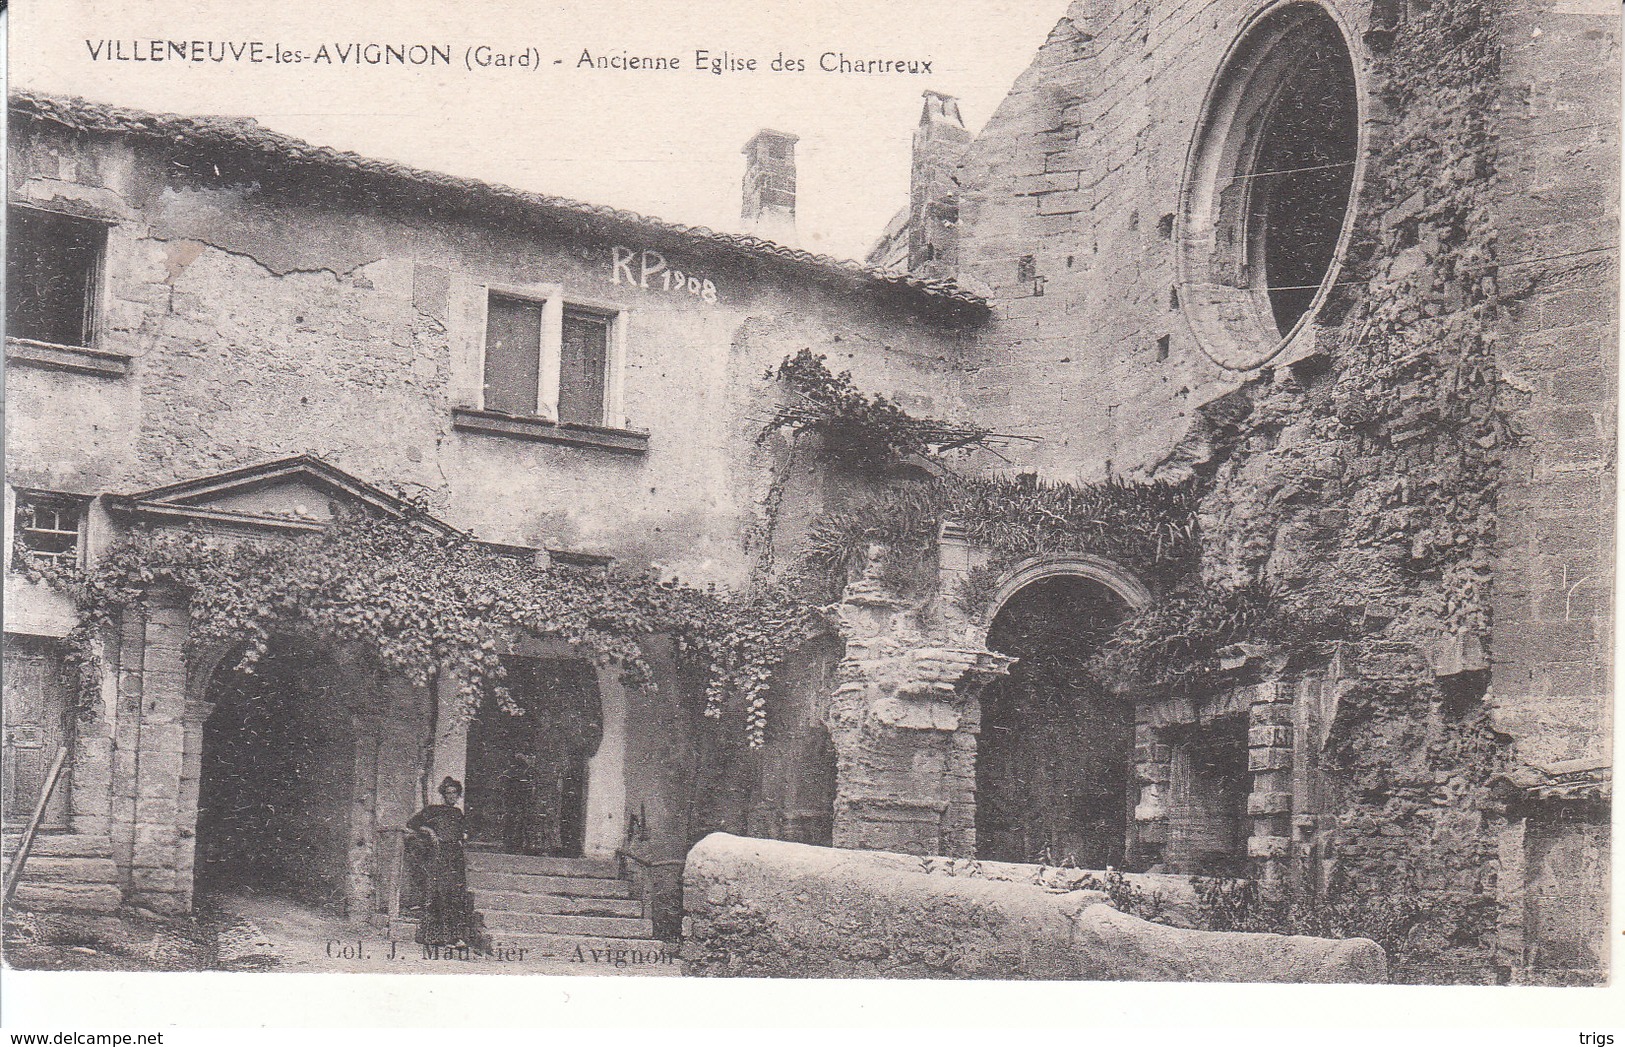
(269, 308)
(1432, 456)
(274, 311)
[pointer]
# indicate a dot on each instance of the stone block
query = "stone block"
(1269, 803)
(62, 897)
(1269, 846)
(1266, 735)
(1269, 760)
(767, 908)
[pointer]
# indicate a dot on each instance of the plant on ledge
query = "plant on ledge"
(1182, 643)
(1150, 528)
(855, 426)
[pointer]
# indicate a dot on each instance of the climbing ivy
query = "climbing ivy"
(1150, 528)
(1183, 642)
(426, 606)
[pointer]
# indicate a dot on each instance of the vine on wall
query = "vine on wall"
(854, 426)
(423, 606)
(1150, 528)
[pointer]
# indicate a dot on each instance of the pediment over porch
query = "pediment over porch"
(302, 493)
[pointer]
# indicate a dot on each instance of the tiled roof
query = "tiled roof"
(247, 136)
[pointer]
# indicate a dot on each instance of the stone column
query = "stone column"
(366, 728)
(197, 716)
(157, 879)
(131, 652)
(451, 738)
(1269, 758)
(91, 782)
(606, 772)
(904, 720)
(1153, 768)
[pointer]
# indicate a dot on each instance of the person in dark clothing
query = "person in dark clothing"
(435, 847)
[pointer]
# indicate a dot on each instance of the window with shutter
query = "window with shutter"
(583, 366)
(513, 355)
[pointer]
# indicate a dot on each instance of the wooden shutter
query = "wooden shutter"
(513, 354)
(583, 367)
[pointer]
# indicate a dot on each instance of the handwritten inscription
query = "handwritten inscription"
(649, 270)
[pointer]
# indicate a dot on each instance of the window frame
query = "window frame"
(95, 303)
(1224, 290)
(24, 496)
(554, 302)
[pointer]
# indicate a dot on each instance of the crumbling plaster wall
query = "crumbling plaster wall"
(271, 313)
(1439, 465)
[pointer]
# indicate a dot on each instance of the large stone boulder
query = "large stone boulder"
(768, 908)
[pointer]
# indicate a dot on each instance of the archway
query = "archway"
(276, 779)
(527, 769)
(1055, 753)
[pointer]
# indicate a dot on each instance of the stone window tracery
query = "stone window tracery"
(1268, 187)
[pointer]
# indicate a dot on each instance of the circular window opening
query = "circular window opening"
(1265, 208)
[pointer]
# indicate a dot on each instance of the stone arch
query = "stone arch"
(1119, 579)
(277, 779)
(1056, 743)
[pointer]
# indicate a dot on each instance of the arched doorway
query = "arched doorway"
(1055, 753)
(276, 779)
(527, 768)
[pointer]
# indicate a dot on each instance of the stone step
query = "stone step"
(642, 953)
(491, 861)
(577, 886)
(556, 904)
(47, 869)
(61, 845)
(68, 897)
(499, 922)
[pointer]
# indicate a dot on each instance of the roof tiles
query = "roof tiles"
(247, 136)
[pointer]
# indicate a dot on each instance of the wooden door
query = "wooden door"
(37, 720)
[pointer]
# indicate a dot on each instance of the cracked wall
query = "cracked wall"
(272, 311)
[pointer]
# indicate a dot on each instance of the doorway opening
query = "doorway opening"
(1056, 747)
(527, 771)
(278, 768)
(1207, 804)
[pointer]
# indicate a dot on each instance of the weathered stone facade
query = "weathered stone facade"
(1412, 430)
(1434, 443)
(281, 328)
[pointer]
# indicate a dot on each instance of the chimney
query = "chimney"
(769, 209)
(940, 142)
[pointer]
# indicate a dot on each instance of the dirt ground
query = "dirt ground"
(265, 933)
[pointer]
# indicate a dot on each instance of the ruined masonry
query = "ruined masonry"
(1346, 269)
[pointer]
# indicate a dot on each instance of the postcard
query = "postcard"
(1094, 492)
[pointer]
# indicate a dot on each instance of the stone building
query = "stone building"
(215, 327)
(1346, 270)
(1352, 269)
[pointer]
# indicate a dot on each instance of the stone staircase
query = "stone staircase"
(67, 872)
(561, 908)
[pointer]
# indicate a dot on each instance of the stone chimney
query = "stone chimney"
(940, 142)
(769, 209)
